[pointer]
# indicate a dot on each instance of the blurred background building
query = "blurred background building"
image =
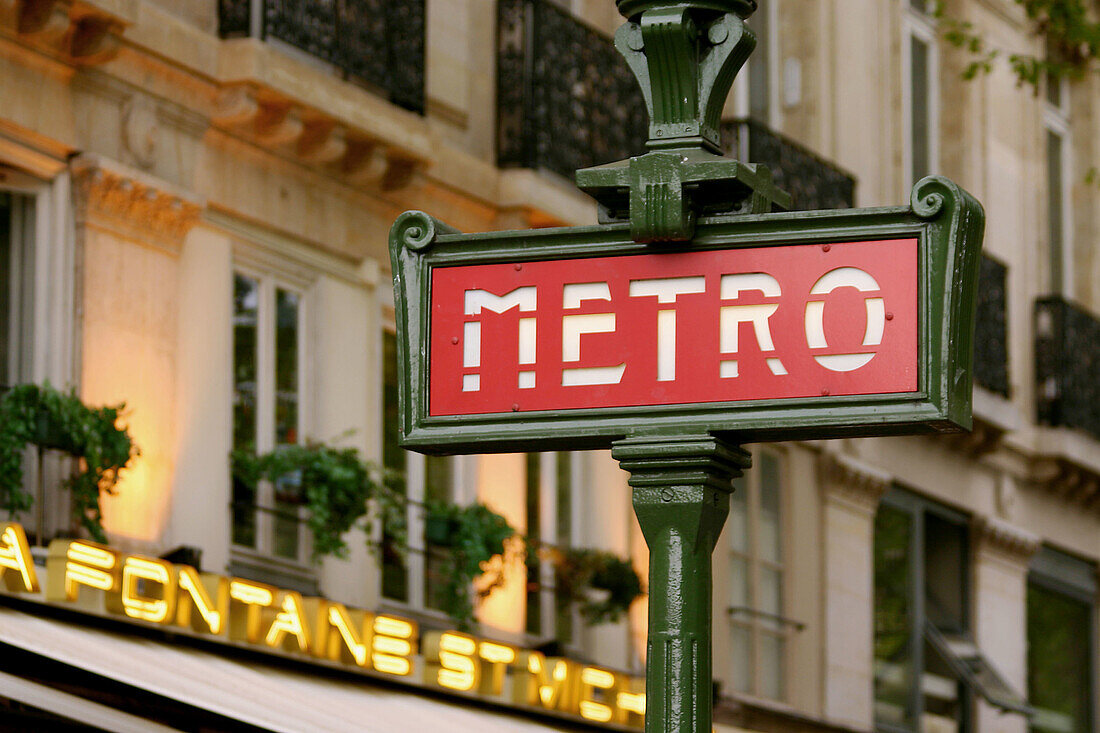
(195, 198)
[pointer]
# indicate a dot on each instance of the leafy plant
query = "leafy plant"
(44, 416)
(578, 571)
(478, 534)
(333, 483)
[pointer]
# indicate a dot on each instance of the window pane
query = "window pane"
(739, 583)
(759, 73)
(395, 581)
(741, 642)
(771, 594)
(286, 367)
(437, 488)
(1054, 210)
(1059, 635)
(1054, 90)
(246, 297)
(919, 118)
(770, 542)
(921, 6)
(534, 518)
(945, 574)
(893, 616)
(563, 621)
(738, 518)
(771, 666)
(288, 500)
(6, 275)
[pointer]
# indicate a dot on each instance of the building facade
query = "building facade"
(195, 198)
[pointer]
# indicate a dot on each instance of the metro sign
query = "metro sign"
(798, 324)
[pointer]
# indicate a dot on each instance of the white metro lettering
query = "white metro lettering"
(815, 318)
(574, 326)
(666, 290)
(732, 316)
(526, 300)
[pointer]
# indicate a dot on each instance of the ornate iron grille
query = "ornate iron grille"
(1067, 362)
(379, 43)
(565, 97)
(812, 181)
(991, 330)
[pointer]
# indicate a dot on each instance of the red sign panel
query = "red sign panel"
(757, 323)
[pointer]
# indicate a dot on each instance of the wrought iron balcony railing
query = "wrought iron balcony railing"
(567, 100)
(991, 329)
(565, 97)
(378, 43)
(812, 181)
(1067, 362)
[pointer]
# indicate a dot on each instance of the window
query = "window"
(267, 389)
(1056, 124)
(756, 89)
(759, 630)
(16, 278)
(550, 485)
(927, 668)
(921, 110)
(1061, 637)
(411, 577)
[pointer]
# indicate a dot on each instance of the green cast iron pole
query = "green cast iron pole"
(681, 491)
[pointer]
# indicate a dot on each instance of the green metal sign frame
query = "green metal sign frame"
(946, 221)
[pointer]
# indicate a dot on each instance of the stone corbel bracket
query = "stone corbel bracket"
(1070, 481)
(80, 32)
(132, 204)
(999, 535)
(310, 137)
(851, 481)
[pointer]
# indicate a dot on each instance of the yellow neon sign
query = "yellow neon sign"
(15, 554)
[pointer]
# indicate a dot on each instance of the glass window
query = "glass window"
(759, 630)
(413, 574)
(1055, 210)
(267, 382)
(549, 489)
(759, 67)
(920, 136)
(17, 276)
(6, 286)
(1061, 637)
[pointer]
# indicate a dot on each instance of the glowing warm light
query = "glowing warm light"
(595, 711)
(595, 679)
(339, 619)
(15, 554)
(391, 646)
(76, 563)
(254, 597)
(458, 669)
(497, 658)
(289, 622)
(633, 702)
(147, 608)
(212, 614)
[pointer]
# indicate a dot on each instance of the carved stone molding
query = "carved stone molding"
(78, 31)
(846, 479)
(309, 136)
(132, 204)
(1008, 539)
(1068, 480)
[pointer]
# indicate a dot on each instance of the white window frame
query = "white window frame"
(1055, 120)
(548, 528)
(755, 620)
(920, 26)
(741, 102)
(462, 491)
(270, 280)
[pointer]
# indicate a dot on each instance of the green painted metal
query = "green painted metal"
(685, 56)
(945, 219)
(682, 458)
(681, 490)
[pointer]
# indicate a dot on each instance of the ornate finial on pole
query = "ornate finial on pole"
(685, 56)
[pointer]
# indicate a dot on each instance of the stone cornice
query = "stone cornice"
(132, 204)
(852, 481)
(79, 32)
(995, 533)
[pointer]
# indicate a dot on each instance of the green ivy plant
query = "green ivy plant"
(41, 415)
(579, 571)
(477, 535)
(333, 483)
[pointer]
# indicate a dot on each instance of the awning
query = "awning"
(255, 693)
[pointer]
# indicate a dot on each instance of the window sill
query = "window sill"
(282, 572)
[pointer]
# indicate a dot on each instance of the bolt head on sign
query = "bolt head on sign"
(851, 322)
